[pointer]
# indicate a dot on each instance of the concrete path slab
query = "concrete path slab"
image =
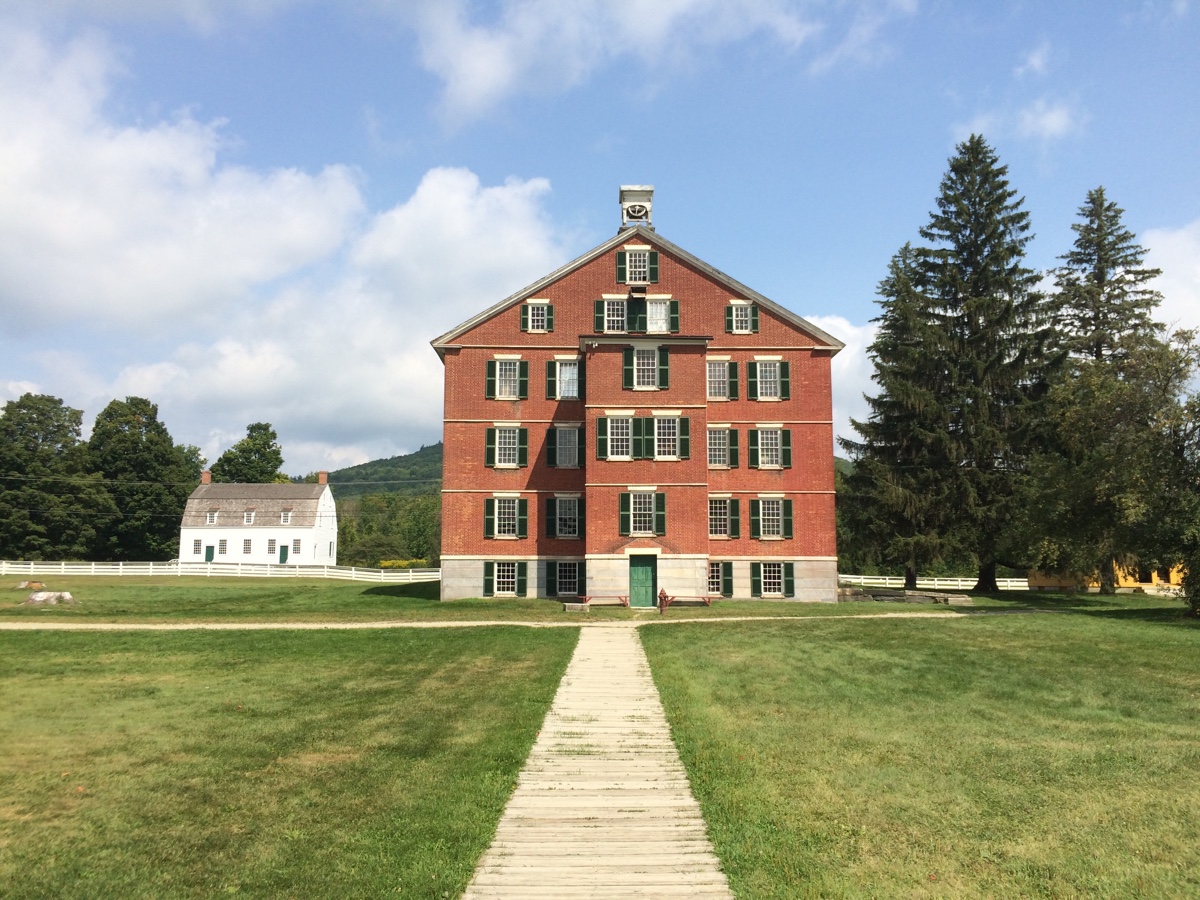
(603, 807)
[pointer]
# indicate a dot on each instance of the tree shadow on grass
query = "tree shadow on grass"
(1121, 607)
(421, 590)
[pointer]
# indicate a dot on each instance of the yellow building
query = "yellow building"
(1127, 579)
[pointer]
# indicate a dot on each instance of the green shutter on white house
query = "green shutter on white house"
(751, 381)
(522, 518)
(624, 522)
(489, 518)
(621, 267)
(735, 519)
(523, 380)
(653, 267)
(660, 513)
(755, 579)
(601, 438)
(685, 437)
(552, 447)
(551, 517)
(598, 323)
(489, 579)
(522, 447)
(489, 452)
(785, 381)
(489, 385)
(733, 448)
(733, 382)
(785, 448)
(664, 368)
(551, 379)
(627, 369)
(674, 316)
(522, 578)
(789, 579)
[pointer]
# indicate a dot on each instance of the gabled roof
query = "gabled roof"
(266, 500)
(652, 237)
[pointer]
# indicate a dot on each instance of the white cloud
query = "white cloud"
(1049, 120)
(134, 225)
(1177, 252)
(13, 390)
(852, 371)
(1036, 62)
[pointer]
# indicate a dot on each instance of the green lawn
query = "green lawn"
(1001, 756)
(267, 764)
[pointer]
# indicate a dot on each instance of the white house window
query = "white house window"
(772, 578)
(285, 517)
(641, 507)
(768, 380)
(196, 546)
(568, 578)
(645, 367)
(718, 381)
(537, 317)
(506, 578)
(506, 446)
(718, 447)
(210, 518)
(666, 438)
(769, 448)
(741, 319)
(714, 578)
(567, 514)
(506, 517)
(638, 262)
(568, 380)
(567, 440)
(771, 513)
(718, 518)
(614, 315)
(658, 315)
(296, 547)
(222, 547)
(271, 547)
(620, 438)
(248, 517)
(246, 547)
(508, 379)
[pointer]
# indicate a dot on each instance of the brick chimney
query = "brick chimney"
(322, 478)
(206, 477)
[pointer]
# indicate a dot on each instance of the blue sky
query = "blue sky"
(263, 210)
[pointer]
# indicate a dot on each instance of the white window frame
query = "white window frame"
(537, 311)
(768, 380)
(714, 572)
(505, 575)
(508, 447)
(658, 316)
(222, 547)
(641, 513)
(718, 517)
(614, 316)
(741, 319)
(645, 368)
(506, 517)
(560, 381)
(666, 437)
(285, 517)
(566, 513)
(247, 546)
(210, 518)
(770, 518)
(248, 517)
(615, 425)
(196, 547)
(770, 448)
(272, 545)
(573, 578)
(718, 381)
(508, 379)
(718, 447)
(772, 579)
(567, 439)
(637, 266)
(296, 547)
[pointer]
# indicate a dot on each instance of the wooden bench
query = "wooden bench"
(605, 599)
(690, 600)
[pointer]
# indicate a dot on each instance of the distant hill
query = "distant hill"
(843, 466)
(413, 473)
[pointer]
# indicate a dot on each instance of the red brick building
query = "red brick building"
(637, 421)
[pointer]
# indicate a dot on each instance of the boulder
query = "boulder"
(50, 598)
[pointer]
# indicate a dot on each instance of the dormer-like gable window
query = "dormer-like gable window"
(285, 517)
(210, 517)
(248, 517)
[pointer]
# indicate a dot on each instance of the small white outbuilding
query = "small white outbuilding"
(293, 524)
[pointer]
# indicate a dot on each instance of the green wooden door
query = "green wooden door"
(283, 549)
(642, 576)
(208, 553)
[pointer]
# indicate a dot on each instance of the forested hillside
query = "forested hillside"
(410, 475)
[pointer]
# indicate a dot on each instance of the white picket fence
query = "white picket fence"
(235, 570)
(932, 584)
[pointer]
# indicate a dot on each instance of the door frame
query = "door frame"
(644, 561)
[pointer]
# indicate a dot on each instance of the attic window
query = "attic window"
(248, 517)
(285, 517)
(210, 517)
(639, 266)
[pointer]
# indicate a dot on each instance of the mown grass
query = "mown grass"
(984, 756)
(267, 764)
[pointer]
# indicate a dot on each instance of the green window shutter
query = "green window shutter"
(551, 578)
(551, 380)
(522, 518)
(602, 438)
(733, 383)
(524, 316)
(523, 380)
(752, 462)
(489, 453)
(625, 524)
(580, 572)
(733, 448)
(648, 437)
(598, 324)
(726, 579)
(785, 448)
(755, 579)
(489, 579)
(674, 316)
(522, 446)
(579, 379)
(660, 513)
(787, 519)
(552, 447)
(489, 518)
(549, 316)
(685, 437)
(653, 266)
(522, 578)
(664, 368)
(579, 512)
(621, 268)
(579, 433)
(789, 579)
(756, 519)
(489, 390)
(627, 369)
(551, 518)
(751, 381)
(735, 518)
(635, 315)
(754, 318)
(729, 319)
(635, 437)
(785, 381)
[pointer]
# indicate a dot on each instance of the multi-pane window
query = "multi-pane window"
(567, 517)
(718, 380)
(567, 442)
(506, 578)
(508, 379)
(248, 517)
(658, 315)
(714, 578)
(246, 547)
(506, 517)
(537, 317)
(718, 518)
(718, 447)
(771, 518)
(741, 319)
(620, 438)
(506, 446)
(271, 547)
(568, 380)
(210, 518)
(285, 517)
(296, 547)
(645, 367)
(614, 315)
(641, 508)
(769, 448)
(768, 380)
(196, 546)
(772, 578)
(638, 263)
(666, 438)
(222, 547)
(568, 578)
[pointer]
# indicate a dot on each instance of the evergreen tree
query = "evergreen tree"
(255, 459)
(1102, 288)
(51, 505)
(147, 475)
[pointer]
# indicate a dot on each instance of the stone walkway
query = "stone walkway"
(603, 807)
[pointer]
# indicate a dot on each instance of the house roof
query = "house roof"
(267, 501)
(829, 342)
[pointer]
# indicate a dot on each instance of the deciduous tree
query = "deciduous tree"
(255, 459)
